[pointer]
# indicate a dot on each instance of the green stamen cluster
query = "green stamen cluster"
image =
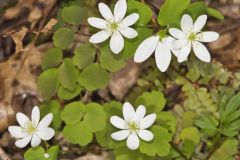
(192, 37)
(133, 126)
(114, 26)
(30, 128)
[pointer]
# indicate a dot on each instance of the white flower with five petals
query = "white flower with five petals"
(32, 130)
(162, 48)
(114, 25)
(191, 36)
(133, 125)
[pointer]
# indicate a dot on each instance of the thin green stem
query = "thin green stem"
(218, 143)
(179, 151)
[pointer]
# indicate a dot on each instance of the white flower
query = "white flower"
(32, 130)
(114, 25)
(191, 37)
(133, 125)
(162, 48)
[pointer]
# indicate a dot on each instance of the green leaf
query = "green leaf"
(188, 147)
(215, 13)
(227, 151)
(73, 113)
(54, 108)
(159, 145)
(48, 83)
(77, 134)
(67, 94)
(145, 13)
(124, 153)
(68, 74)
(131, 45)
(95, 117)
(171, 11)
(52, 58)
(53, 153)
(167, 120)
(153, 101)
(94, 77)
(63, 37)
(74, 14)
(37, 153)
(196, 9)
(84, 55)
(188, 118)
(110, 61)
(111, 108)
(191, 133)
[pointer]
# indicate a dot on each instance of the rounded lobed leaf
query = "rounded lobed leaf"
(109, 61)
(52, 58)
(154, 101)
(171, 11)
(95, 117)
(84, 55)
(53, 107)
(74, 14)
(78, 134)
(48, 83)
(73, 113)
(94, 77)
(68, 74)
(159, 145)
(145, 12)
(63, 37)
(67, 94)
(191, 133)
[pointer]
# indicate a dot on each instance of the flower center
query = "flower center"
(192, 36)
(114, 26)
(162, 34)
(133, 126)
(30, 129)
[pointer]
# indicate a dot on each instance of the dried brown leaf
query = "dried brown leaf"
(49, 25)
(18, 37)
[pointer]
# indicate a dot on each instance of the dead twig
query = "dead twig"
(3, 155)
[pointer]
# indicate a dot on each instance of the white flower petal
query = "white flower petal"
(201, 52)
(145, 49)
(163, 57)
(140, 113)
(184, 52)
(207, 36)
(147, 121)
(118, 122)
(133, 141)
(35, 115)
(22, 119)
(116, 42)
(120, 135)
(35, 140)
(177, 33)
(45, 122)
(46, 133)
(98, 23)
(16, 131)
(106, 12)
(200, 23)
(100, 36)
(145, 135)
(128, 32)
(130, 20)
(128, 111)
(120, 10)
(186, 23)
(21, 143)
